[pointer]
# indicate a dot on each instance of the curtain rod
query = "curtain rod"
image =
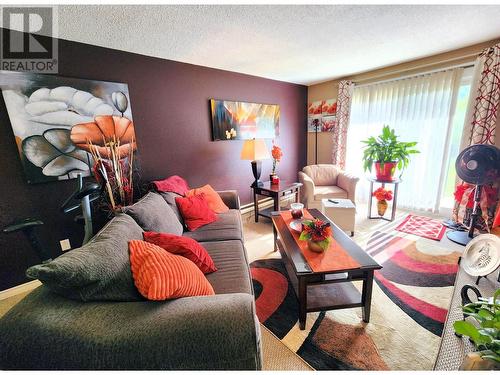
(471, 55)
(464, 65)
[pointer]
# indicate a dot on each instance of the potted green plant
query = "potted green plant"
(484, 332)
(387, 153)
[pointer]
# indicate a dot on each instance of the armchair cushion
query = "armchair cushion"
(322, 192)
(322, 174)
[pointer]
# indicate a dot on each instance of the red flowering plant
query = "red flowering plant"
(276, 154)
(318, 231)
(382, 194)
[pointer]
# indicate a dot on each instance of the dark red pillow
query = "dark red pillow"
(184, 246)
(195, 211)
(173, 184)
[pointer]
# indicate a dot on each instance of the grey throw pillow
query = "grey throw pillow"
(170, 199)
(153, 214)
(97, 271)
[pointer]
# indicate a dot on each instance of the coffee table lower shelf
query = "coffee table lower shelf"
(333, 291)
(320, 296)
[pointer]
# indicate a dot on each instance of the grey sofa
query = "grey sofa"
(52, 328)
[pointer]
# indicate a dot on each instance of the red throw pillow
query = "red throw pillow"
(183, 246)
(173, 184)
(213, 198)
(160, 275)
(195, 211)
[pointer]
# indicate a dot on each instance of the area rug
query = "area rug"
(422, 226)
(409, 307)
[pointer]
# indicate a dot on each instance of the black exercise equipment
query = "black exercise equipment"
(27, 226)
(81, 198)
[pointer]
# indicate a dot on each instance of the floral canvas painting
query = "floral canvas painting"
(315, 108)
(56, 120)
(314, 122)
(329, 107)
(328, 123)
(241, 120)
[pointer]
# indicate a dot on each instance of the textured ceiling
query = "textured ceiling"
(295, 43)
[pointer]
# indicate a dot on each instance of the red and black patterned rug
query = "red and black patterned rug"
(409, 307)
(422, 226)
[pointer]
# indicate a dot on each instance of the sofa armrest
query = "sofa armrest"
(348, 182)
(307, 190)
(230, 198)
(47, 331)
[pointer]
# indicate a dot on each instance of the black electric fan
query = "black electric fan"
(477, 165)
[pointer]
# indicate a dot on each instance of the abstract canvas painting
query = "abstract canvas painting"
(53, 119)
(240, 120)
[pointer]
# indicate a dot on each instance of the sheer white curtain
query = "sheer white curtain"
(419, 108)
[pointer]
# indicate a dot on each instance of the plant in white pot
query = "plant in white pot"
(387, 153)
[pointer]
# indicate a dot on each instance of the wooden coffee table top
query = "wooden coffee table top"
(349, 254)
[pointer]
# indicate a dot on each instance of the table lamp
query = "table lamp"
(255, 150)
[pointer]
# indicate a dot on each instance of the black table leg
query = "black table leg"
(255, 206)
(275, 235)
(302, 303)
(366, 295)
(276, 200)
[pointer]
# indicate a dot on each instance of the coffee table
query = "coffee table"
(321, 288)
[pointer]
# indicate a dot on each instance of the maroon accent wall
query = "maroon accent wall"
(170, 105)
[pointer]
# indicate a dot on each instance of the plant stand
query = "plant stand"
(395, 182)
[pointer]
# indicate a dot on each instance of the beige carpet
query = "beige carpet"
(277, 356)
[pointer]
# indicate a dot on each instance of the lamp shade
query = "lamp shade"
(254, 149)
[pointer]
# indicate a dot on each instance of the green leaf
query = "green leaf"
(485, 314)
(467, 329)
(304, 236)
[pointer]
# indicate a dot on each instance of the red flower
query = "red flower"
(276, 153)
(317, 230)
(382, 194)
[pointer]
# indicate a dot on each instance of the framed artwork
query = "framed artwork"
(315, 108)
(329, 107)
(328, 123)
(240, 120)
(53, 119)
(312, 121)
(323, 111)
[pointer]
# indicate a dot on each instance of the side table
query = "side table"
(276, 192)
(394, 182)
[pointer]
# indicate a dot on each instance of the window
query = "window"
(428, 108)
(457, 127)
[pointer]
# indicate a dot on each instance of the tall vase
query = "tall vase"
(382, 207)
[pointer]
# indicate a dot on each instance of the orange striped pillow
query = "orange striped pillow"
(160, 275)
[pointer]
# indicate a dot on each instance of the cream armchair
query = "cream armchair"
(326, 181)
